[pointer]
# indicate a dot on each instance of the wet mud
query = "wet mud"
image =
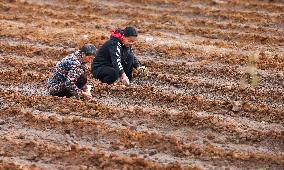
(214, 98)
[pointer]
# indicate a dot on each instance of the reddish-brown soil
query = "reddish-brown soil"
(200, 107)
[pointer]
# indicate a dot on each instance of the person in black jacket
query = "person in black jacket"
(115, 59)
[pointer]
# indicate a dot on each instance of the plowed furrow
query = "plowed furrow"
(142, 138)
(71, 155)
(226, 35)
(266, 61)
(149, 94)
(218, 89)
(232, 73)
(178, 119)
(213, 98)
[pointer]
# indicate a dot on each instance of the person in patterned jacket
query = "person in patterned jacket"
(69, 77)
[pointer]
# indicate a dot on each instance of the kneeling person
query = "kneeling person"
(69, 77)
(115, 58)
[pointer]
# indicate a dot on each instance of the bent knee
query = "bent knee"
(111, 78)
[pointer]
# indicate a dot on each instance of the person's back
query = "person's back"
(66, 64)
(62, 79)
(103, 55)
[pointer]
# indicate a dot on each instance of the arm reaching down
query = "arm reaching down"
(115, 53)
(71, 79)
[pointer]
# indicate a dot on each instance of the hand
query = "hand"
(124, 79)
(86, 95)
(143, 71)
(88, 89)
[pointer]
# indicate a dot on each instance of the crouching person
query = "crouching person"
(69, 77)
(115, 59)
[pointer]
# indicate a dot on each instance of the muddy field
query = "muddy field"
(214, 98)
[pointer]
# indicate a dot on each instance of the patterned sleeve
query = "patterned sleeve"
(74, 73)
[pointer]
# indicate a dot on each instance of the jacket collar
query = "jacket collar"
(116, 34)
(78, 54)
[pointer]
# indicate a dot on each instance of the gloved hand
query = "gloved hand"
(143, 71)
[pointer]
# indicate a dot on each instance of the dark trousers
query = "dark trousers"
(106, 74)
(81, 82)
(109, 75)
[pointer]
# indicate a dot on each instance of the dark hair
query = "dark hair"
(88, 49)
(129, 31)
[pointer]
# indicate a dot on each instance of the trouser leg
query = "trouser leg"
(63, 93)
(82, 82)
(106, 74)
(60, 90)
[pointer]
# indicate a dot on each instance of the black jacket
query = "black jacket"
(113, 53)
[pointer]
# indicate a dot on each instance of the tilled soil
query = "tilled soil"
(214, 98)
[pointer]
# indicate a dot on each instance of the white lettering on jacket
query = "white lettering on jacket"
(119, 64)
(118, 49)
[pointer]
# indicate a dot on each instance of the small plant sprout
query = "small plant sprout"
(251, 69)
